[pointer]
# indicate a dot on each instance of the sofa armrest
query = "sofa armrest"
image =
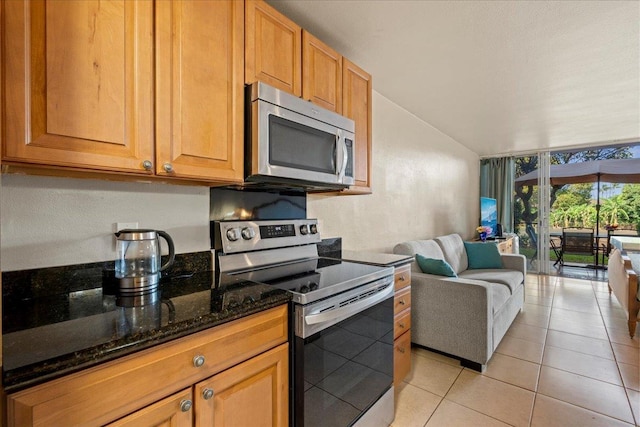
(452, 315)
(515, 262)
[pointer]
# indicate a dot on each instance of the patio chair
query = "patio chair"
(554, 244)
(577, 241)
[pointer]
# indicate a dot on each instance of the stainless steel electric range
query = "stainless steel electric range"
(341, 318)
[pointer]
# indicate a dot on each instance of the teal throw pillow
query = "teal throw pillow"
(483, 255)
(439, 267)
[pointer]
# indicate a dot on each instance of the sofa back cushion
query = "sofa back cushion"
(483, 255)
(452, 247)
(426, 248)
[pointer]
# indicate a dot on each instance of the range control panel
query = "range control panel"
(244, 236)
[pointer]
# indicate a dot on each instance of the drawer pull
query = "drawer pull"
(401, 302)
(207, 394)
(401, 278)
(185, 405)
(401, 349)
(168, 167)
(198, 361)
(401, 325)
(147, 165)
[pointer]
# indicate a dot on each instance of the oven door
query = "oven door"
(286, 144)
(341, 370)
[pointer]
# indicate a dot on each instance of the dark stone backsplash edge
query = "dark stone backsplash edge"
(43, 282)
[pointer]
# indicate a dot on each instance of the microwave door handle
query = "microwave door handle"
(345, 156)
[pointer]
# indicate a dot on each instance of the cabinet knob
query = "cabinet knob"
(185, 405)
(401, 278)
(167, 167)
(207, 394)
(401, 325)
(147, 165)
(401, 349)
(198, 361)
(401, 302)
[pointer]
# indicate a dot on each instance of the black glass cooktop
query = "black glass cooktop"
(313, 279)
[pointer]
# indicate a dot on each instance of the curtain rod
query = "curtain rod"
(607, 144)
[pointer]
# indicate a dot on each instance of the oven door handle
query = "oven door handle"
(350, 309)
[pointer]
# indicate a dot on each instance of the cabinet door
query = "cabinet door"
(321, 73)
(174, 411)
(254, 393)
(356, 90)
(273, 48)
(78, 83)
(199, 89)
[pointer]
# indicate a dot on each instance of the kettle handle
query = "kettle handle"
(172, 250)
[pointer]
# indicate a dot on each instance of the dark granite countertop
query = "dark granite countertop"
(375, 258)
(47, 334)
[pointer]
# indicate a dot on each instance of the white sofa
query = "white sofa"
(464, 316)
(623, 282)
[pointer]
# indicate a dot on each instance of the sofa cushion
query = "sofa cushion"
(500, 295)
(483, 255)
(438, 267)
(426, 248)
(453, 249)
(510, 278)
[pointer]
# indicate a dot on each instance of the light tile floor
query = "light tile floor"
(567, 360)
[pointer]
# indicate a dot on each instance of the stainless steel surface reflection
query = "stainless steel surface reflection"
(142, 318)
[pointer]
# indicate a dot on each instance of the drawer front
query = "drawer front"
(402, 276)
(402, 300)
(104, 393)
(402, 323)
(401, 358)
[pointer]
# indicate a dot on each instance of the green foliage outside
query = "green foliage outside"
(572, 205)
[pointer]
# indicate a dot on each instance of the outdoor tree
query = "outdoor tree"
(630, 196)
(526, 195)
(613, 209)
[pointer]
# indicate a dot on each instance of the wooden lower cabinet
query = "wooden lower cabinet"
(402, 324)
(505, 246)
(401, 358)
(174, 411)
(254, 393)
(244, 363)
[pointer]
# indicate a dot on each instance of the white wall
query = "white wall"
(425, 184)
(60, 221)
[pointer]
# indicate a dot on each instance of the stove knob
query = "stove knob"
(313, 286)
(233, 234)
(314, 229)
(304, 289)
(304, 229)
(248, 233)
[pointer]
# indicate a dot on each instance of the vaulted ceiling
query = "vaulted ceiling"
(497, 76)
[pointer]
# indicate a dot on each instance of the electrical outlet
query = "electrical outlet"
(125, 225)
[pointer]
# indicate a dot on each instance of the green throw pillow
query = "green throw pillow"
(483, 255)
(439, 267)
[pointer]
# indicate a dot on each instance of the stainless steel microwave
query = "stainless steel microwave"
(293, 142)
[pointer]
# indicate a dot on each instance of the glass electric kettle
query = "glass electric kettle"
(138, 264)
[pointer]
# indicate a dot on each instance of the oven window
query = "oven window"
(298, 146)
(346, 367)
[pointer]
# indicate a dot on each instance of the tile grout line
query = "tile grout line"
(615, 356)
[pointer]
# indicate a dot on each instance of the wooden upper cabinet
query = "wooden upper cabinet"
(200, 89)
(357, 93)
(78, 83)
(321, 73)
(273, 51)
